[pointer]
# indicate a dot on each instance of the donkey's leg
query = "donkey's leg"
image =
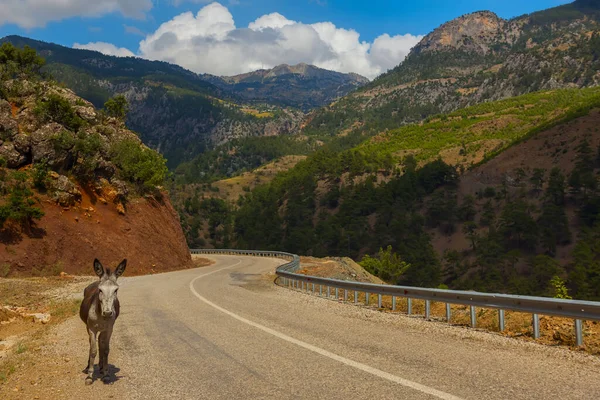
(93, 351)
(104, 350)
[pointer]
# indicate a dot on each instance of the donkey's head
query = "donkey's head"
(108, 286)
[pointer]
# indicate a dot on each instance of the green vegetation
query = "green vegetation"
(117, 107)
(501, 124)
(387, 265)
(20, 205)
(239, 155)
(138, 164)
(15, 62)
(58, 109)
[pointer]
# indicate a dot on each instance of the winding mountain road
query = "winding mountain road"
(226, 332)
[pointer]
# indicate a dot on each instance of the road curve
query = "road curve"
(226, 332)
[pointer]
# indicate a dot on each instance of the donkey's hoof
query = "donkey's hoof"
(106, 380)
(88, 380)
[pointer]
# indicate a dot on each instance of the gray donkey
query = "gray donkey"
(99, 310)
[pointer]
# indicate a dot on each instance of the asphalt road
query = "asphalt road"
(227, 332)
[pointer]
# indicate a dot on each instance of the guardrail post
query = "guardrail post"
(345, 295)
(427, 309)
(501, 320)
(378, 301)
(328, 291)
(321, 290)
(536, 326)
(579, 332)
(393, 303)
(367, 298)
(337, 294)
(303, 286)
(313, 288)
(473, 317)
(409, 306)
(448, 312)
(355, 297)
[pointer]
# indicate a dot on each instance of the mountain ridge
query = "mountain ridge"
(302, 85)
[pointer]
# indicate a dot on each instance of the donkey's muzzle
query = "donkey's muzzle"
(107, 314)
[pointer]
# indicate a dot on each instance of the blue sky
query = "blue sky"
(92, 21)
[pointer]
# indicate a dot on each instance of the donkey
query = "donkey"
(99, 310)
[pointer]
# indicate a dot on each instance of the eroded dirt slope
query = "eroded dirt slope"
(68, 239)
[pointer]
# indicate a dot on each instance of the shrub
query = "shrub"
(40, 176)
(87, 146)
(138, 164)
(63, 141)
(58, 109)
(387, 265)
(20, 206)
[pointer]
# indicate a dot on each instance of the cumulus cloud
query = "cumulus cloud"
(105, 48)
(210, 42)
(37, 13)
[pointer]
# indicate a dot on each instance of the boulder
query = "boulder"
(43, 146)
(121, 189)
(86, 113)
(22, 143)
(14, 159)
(63, 191)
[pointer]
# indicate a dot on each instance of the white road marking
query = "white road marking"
(363, 367)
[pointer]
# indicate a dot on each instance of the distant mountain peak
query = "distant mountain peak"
(471, 32)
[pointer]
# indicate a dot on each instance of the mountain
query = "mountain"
(302, 86)
(475, 58)
(173, 110)
(76, 184)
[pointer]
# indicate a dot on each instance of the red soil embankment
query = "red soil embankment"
(68, 239)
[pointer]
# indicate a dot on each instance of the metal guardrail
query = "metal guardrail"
(577, 309)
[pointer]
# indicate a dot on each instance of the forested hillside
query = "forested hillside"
(400, 188)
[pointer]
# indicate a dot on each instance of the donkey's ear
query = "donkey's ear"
(98, 268)
(120, 268)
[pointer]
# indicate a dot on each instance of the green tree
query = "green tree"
(517, 225)
(470, 231)
(117, 107)
(20, 206)
(537, 180)
(558, 289)
(387, 265)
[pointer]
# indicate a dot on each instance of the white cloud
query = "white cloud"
(210, 42)
(133, 30)
(105, 48)
(37, 13)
